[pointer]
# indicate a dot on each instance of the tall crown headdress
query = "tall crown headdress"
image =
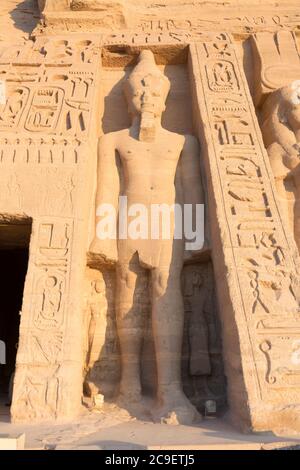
(146, 66)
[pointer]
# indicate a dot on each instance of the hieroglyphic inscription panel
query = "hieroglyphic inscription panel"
(259, 254)
(50, 86)
(47, 129)
(43, 326)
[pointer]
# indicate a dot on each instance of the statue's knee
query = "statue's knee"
(126, 277)
(163, 282)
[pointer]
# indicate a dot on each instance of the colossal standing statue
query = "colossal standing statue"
(141, 163)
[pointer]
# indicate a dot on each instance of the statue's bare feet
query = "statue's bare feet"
(130, 397)
(175, 408)
(133, 402)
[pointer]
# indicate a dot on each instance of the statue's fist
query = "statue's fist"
(104, 251)
(296, 147)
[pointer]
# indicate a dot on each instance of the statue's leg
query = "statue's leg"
(168, 318)
(130, 326)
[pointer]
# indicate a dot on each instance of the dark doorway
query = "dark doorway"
(13, 269)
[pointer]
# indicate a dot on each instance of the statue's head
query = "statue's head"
(99, 286)
(291, 100)
(282, 107)
(147, 87)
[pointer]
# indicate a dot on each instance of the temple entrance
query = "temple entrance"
(14, 243)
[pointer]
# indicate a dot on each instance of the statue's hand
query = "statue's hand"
(104, 251)
(292, 151)
(292, 159)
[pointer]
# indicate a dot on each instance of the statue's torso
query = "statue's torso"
(148, 172)
(149, 168)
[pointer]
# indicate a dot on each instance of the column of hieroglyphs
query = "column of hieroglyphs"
(257, 274)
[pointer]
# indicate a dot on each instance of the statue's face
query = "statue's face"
(146, 94)
(99, 286)
(291, 97)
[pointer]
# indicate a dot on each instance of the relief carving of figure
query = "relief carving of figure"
(141, 162)
(49, 314)
(95, 326)
(281, 131)
(196, 298)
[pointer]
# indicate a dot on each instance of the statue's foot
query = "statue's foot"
(129, 398)
(133, 403)
(176, 409)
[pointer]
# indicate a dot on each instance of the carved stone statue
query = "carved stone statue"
(95, 323)
(281, 131)
(196, 298)
(141, 163)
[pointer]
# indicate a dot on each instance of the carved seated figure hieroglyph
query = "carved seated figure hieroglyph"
(143, 163)
(281, 132)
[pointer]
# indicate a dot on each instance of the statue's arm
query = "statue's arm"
(277, 160)
(190, 172)
(284, 164)
(108, 181)
(192, 188)
(285, 137)
(108, 189)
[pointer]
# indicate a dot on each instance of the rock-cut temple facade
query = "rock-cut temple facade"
(196, 102)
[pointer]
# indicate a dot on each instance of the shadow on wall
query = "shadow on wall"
(25, 15)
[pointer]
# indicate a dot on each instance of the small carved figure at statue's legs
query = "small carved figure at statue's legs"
(167, 318)
(130, 325)
(91, 335)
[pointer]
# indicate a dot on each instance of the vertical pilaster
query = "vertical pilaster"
(254, 257)
(51, 149)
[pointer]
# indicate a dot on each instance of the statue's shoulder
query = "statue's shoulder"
(190, 141)
(113, 137)
(174, 137)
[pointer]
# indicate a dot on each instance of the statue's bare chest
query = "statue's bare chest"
(149, 153)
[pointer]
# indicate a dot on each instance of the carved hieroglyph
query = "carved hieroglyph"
(258, 293)
(168, 21)
(46, 116)
(39, 381)
(149, 158)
